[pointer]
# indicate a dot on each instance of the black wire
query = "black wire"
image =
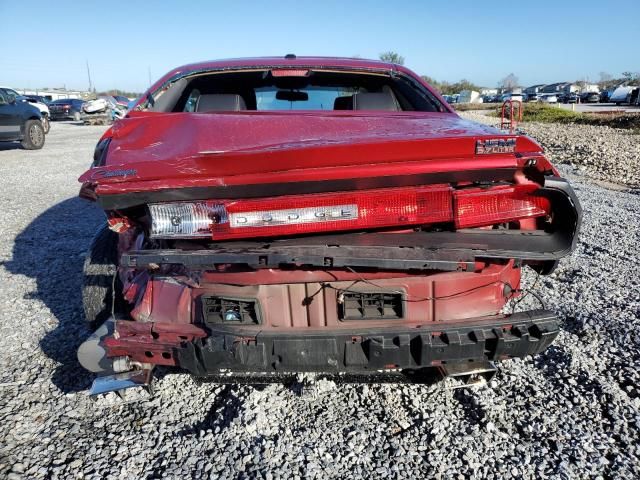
(442, 297)
(542, 304)
(527, 292)
(309, 298)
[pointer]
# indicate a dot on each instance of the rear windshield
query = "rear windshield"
(282, 90)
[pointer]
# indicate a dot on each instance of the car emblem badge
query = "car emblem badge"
(495, 145)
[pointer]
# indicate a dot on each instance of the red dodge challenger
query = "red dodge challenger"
(270, 216)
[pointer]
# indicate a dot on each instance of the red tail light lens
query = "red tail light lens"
(290, 72)
(346, 211)
(335, 212)
(477, 207)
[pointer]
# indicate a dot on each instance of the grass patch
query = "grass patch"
(463, 107)
(536, 112)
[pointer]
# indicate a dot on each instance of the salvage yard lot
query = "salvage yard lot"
(571, 412)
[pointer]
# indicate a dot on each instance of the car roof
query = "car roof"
(271, 62)
(294, 61)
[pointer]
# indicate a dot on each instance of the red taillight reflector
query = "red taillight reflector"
(335, 212)
(396, 208)
(290, 72)
(477, 207)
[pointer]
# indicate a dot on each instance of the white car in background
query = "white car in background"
(515, 97)
(624, 94)
(550, 98)
(44, 109)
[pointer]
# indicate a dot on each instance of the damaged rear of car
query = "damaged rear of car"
(273, 216)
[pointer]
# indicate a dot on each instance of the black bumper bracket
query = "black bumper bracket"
(236, 350)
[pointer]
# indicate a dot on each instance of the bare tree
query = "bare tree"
(392, 57)
(509, 82)
(605, 77)
(606, 81)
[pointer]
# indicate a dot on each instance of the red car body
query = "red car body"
(339, 240)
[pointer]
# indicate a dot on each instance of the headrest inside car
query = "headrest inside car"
(220, 102)
(343, 103)
(375, 101)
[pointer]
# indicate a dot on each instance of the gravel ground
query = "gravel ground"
(602, 153)
(572, 412)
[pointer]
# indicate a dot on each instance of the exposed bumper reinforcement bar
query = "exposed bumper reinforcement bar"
(369, 350)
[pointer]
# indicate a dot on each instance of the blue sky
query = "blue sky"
(46, 43)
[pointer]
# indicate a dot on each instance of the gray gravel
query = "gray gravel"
(572, 412)
(602, 153)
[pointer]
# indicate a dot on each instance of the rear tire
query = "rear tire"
(46, 125)
(99, 279)
(33, 135)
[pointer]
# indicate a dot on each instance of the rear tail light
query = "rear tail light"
(184, 219)
(298, 215)
(345, 211)
(476, 207)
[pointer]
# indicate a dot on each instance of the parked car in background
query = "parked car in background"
(36, 102)
(623, 94)
(548, 98)
(604, 96)
(66, 108)
(512, 96)
(569, 98)
(20, 121)
(589, 97)
(308, 214)
(122, 101)
(44, 110)
(39, 98)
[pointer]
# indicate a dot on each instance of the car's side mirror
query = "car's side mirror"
(11, 98)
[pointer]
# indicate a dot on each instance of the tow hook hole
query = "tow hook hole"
(154, 335)
(166, 355)
(148, 354)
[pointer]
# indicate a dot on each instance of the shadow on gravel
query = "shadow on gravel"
(51, 250)
(225, 408)
(474, 412)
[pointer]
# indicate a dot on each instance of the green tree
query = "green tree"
(432, 81)
(447, 88)
(392, 57)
